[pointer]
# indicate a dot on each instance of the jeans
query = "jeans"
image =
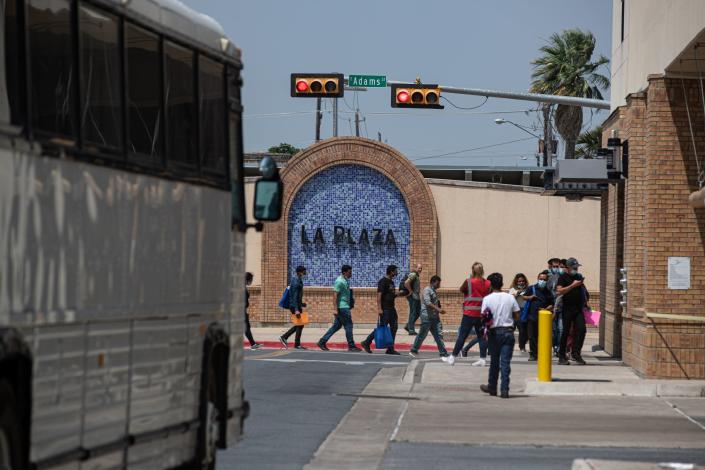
(248, 330)
(532, 327)
(572, 317)
(433, 324)
(501, 343)
(414, 312)
(343, 319)
(389, 317)
(523, 334)
(557, 329)
(467, 324)
(294, 329)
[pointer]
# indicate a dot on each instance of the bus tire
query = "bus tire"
(12, 447)
(213, 398)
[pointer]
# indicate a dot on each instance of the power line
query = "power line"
(472, 149)
(460, 107)
(383, 113)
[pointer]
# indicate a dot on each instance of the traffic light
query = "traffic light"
(317, 85)
(416, 96)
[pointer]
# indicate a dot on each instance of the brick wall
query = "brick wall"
(658, 223)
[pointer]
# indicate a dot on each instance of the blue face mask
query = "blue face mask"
(541, 283)
(561, 271)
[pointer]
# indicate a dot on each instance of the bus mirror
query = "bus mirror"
(268, 200)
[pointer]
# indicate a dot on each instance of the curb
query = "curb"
(340, 346)
(593, 464)
(640, 388)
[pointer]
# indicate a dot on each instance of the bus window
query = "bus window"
(212, 115)
(180, 104)
(144, 93)
(101, 105)
(51, 65)
(235, 149)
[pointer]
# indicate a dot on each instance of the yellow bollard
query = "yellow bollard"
(545, 340)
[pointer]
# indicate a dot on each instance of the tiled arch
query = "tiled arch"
(337, 151)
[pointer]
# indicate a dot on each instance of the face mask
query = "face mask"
(521, 285)
(541, 284)
(561, 271)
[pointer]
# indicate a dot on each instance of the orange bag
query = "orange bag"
(300, 321)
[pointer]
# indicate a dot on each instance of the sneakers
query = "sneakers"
(255, 346)
(464, 352)
(480, 363)
(354, 349)
(578, 360)
(487, 389)
(392, 352)
(322, 345)
(411, 332)
(413, 354)
(444, 358)
(533, 358)
(300, 347)
(283, 342)
(505, 395)
(563, 362)
(366, 347)
(450, 360)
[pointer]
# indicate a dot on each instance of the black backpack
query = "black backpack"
(402, 285)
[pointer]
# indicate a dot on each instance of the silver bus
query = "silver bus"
(121, 236)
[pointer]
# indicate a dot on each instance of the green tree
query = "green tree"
(566, 68)
(284, 148)
(588, 143)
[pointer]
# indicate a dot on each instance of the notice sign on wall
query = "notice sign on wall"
(678, 272)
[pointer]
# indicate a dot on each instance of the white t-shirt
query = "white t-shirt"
(502, 306)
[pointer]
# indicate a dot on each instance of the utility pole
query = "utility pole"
(318, 119)
(357, 123)
(335, 117)
(379, 136)
(547, 137)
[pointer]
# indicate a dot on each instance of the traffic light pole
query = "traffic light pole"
(318, 119)
(335, 117)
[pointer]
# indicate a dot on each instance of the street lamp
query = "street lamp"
(504, 121)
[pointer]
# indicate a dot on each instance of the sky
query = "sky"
(486, 44)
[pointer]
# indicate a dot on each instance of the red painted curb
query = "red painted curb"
(338, 346)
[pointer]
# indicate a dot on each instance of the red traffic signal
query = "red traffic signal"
(416, 96)
(317, 85)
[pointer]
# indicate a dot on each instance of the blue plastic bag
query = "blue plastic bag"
(383, 336)
(524, 315)
(284, 302)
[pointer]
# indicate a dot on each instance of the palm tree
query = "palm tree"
(588, 143)
(565, 68)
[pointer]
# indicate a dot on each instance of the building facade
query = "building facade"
(648, 227)
(360, 202)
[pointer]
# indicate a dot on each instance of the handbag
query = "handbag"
(284, 301)
(524, 315)
(352, 300)
(299, 321)
(383, 336)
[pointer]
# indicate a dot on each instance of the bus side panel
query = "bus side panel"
(237, 333)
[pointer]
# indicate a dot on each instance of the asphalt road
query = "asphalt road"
(297, 398)
(412, 456)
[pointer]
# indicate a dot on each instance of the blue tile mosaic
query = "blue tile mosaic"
(348, 214)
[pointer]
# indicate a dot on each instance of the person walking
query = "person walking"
(570, 287)
(474, 290)
(540, 298)
(505, 312)
(430, 319)
(248, 330)
(296, 294)
(516, 289)
(413, 287)
(342, 303)
(555, 271)
(386, 294)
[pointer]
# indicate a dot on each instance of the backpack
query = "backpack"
(402, 285)
(284, 302)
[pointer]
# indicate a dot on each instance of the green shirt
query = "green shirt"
(342, 288)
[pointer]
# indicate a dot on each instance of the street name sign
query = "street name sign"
(367, 80)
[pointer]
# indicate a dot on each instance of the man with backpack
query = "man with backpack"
(296, 294)
(343, 303)
(411, 287)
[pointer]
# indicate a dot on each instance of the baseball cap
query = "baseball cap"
(572, 262)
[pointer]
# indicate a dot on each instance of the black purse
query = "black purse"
(352, 299)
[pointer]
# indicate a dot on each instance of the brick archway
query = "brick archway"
(339, 151)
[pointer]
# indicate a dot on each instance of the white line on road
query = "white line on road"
(684, 415)
(347, 363)
(401, 416)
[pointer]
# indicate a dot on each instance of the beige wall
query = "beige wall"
(655, 33)
(513, 231)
